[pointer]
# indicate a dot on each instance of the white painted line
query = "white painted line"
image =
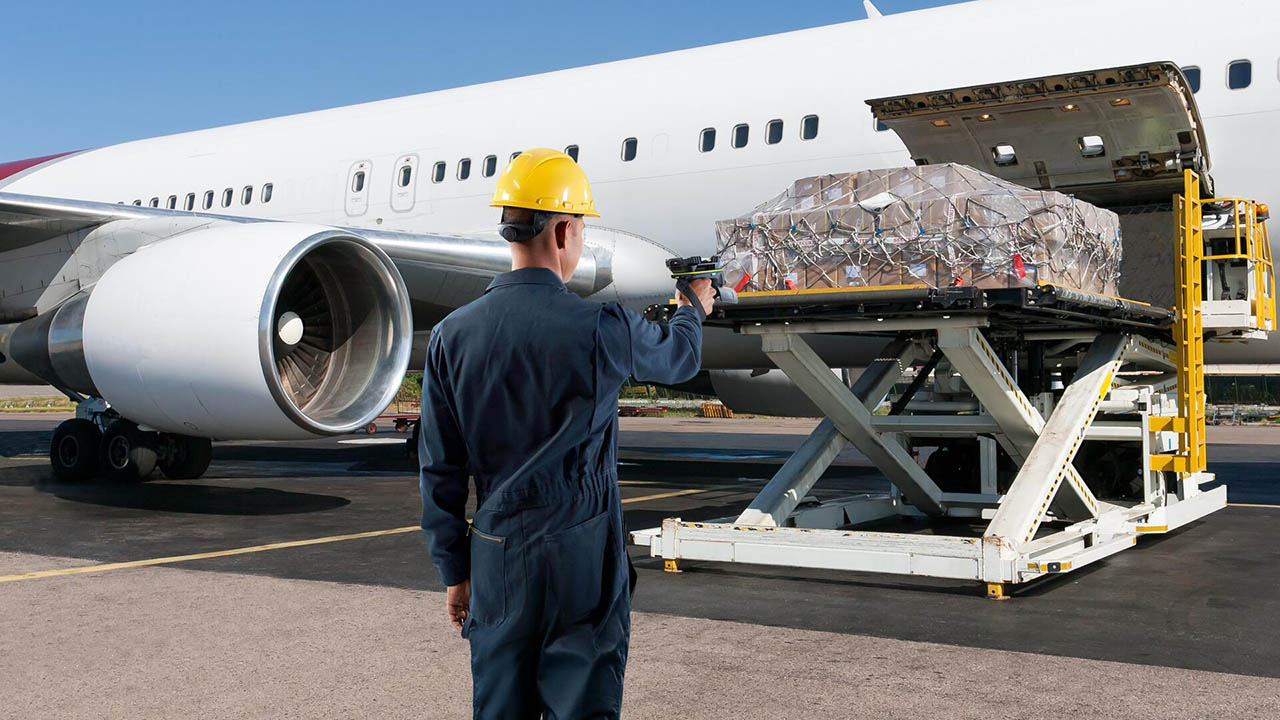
(374, 441)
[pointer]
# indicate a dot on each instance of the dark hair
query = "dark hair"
(523, 224)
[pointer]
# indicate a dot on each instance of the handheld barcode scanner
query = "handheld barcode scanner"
(685, 269)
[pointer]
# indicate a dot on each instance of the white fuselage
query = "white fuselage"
(671, 191)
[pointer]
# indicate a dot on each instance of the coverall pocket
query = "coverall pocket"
(488, 578)
(577, 565)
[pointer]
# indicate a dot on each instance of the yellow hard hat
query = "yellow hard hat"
(547, 180)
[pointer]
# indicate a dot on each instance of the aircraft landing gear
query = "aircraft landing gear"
(123, 452)
(183, 457)
(128, 454)
(74, 451)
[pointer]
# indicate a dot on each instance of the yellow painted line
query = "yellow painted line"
(1254, 505)
(203, 556)
(660, 496)
(105, 567)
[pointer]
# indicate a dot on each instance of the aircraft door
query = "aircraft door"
(357, 192)
(404, 183)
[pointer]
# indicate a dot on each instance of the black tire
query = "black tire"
(74, 451)
(128, 454)
(187, 457)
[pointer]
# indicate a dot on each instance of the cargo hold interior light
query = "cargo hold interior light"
(1092, 146)
(1004, 155)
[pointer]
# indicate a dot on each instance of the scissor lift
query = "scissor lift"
(1134, 397)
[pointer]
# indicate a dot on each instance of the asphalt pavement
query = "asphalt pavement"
(290, 581)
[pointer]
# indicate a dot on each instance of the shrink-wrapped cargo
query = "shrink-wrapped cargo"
(936, 225)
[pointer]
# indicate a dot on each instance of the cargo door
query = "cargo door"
(1119, 137)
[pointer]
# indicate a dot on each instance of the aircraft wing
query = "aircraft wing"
(52, 248)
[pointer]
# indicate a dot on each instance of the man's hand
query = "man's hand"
(702, 288)
(457, 603)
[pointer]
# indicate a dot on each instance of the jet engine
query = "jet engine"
(234, 330)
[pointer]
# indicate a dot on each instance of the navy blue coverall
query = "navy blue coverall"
(521, 392)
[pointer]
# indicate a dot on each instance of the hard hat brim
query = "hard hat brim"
(588, 212)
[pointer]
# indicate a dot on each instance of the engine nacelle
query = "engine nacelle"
(258, 330)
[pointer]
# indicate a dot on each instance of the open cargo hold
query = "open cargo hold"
(946, 225)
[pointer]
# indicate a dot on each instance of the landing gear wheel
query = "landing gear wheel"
(186, 458)
(128, 454)
(74, 451)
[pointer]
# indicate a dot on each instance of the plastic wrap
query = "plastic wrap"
(937, 225)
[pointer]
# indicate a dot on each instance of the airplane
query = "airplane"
(275, 279)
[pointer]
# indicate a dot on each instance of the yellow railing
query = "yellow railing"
(1188, 334)
(1252, 244)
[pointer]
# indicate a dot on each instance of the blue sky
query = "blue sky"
(87, 74)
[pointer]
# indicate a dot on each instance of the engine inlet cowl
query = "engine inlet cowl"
(245, 330)
(328, 333)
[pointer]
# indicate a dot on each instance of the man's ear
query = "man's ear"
(561, 233)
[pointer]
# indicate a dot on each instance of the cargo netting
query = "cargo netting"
(942, 225)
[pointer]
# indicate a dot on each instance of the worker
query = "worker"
(520, 393)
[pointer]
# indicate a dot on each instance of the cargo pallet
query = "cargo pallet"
(1138, 386)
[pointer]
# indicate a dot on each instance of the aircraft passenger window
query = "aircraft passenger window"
(707, 142)
(266, 192)
(227, 196)
(740, 134)
(1193, 77)
(437, 172)
(572, 151)
(773, 132)
(1239, 74)
(190, 203)
(406, 175)
(246, 195)
(357, 182)
(809, 127)
(173, 202)
(490, 166)
(464, 168)
(208, 199)
(155, 202)
(629, 149)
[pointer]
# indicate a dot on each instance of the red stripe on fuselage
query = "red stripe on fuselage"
(16, 166)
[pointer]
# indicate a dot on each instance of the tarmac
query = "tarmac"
(290, 581)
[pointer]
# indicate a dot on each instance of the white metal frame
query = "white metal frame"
(777, 529)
